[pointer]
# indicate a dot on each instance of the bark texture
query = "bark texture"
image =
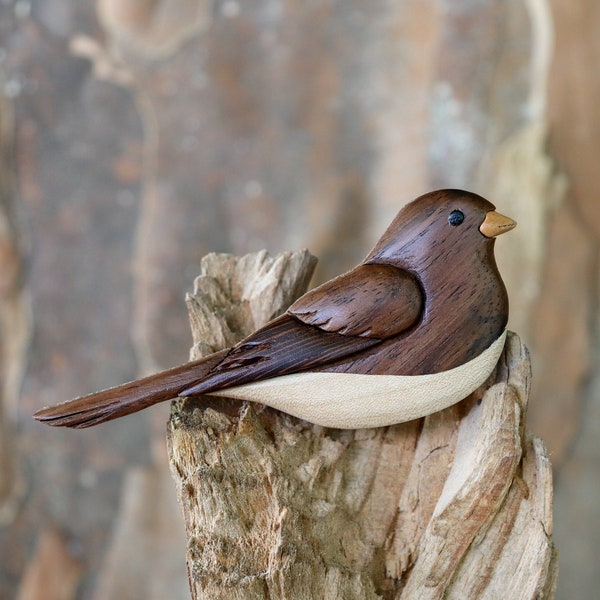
(455, 505)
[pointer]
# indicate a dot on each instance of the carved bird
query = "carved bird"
(418, 325)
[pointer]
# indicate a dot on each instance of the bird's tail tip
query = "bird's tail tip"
(67, 415)
(127, 398)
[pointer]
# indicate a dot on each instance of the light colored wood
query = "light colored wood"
(354, 400)
(457, 504)
(496, 224)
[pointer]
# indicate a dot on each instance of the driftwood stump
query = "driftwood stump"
(455, 505)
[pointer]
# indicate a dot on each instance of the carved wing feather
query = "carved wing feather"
(374, 301)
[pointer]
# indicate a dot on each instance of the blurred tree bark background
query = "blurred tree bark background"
(136, 136)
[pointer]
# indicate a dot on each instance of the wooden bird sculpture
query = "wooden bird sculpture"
(418, 325)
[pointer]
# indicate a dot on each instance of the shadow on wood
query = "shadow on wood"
(454, 505)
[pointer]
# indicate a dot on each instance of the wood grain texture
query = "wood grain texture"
(455, 505)
(393, 297)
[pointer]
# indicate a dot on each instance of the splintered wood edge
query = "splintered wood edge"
(235, 295)
(493, 520)
(486, 456)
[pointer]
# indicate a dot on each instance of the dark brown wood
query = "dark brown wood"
(127, 398)
(426, 299)
(375, 301)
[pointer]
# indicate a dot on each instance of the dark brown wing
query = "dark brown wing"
(374, 301)
(285, 345)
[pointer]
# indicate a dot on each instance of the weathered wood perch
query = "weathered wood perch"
(455, 505)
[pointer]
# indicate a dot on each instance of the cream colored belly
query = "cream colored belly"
(353, 401)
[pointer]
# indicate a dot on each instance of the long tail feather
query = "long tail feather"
(127, 398)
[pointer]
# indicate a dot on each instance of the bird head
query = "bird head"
(440, 223)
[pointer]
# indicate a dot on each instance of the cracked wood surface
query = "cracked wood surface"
(455, 505)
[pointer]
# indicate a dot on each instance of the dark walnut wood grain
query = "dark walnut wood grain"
(374, 301)
(426, 299)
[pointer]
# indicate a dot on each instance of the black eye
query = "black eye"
(456, 218)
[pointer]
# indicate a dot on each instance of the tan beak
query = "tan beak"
(494, 224)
